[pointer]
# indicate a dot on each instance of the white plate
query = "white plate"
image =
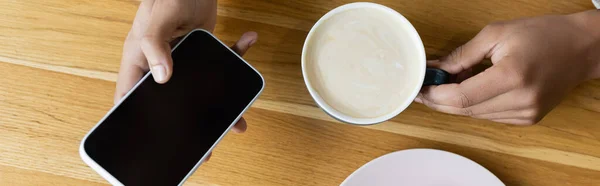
(422, 167)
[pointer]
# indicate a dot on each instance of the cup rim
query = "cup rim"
(413, 34)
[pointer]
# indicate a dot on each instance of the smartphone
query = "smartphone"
(159, 134)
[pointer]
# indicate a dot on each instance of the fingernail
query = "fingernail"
(159, 73)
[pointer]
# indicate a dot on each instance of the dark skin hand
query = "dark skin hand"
(536, 63)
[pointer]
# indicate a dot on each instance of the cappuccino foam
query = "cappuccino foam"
(363, 62)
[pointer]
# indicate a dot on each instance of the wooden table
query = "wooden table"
(59, 61)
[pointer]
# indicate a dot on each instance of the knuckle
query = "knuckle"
(532, 113)
(453, 60)
(456, 53)
(466, 112)
(493, 26)
(464, 100)
(533, 116)
(457, 98)
(493, 29)
(530, 122)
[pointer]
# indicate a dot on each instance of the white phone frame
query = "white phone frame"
(111, 179)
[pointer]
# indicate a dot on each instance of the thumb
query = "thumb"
(155, 43)
(469, 54)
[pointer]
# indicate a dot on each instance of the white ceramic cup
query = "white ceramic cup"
(434, 76)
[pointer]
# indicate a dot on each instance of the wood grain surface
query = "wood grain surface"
(59, 60)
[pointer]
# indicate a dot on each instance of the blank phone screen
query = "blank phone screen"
(161, 131)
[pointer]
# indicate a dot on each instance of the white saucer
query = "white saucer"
(422, 167)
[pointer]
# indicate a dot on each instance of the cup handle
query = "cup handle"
(434, 76)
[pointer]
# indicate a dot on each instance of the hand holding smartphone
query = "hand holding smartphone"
(158, 134)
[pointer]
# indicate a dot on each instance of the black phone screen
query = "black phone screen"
(161, 131)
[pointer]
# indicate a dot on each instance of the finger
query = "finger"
(508, 114)
(503, 106)
(510, 117)
(240, 126)
(464, 75)
(441, 108)
(497, 108)
(483, 86)
(155, 42)
(511, 101)
(513, 121)
(503, 117)
(129, 75)
(244, 43)
(133, 62)
(208, 157)
(469, 54)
